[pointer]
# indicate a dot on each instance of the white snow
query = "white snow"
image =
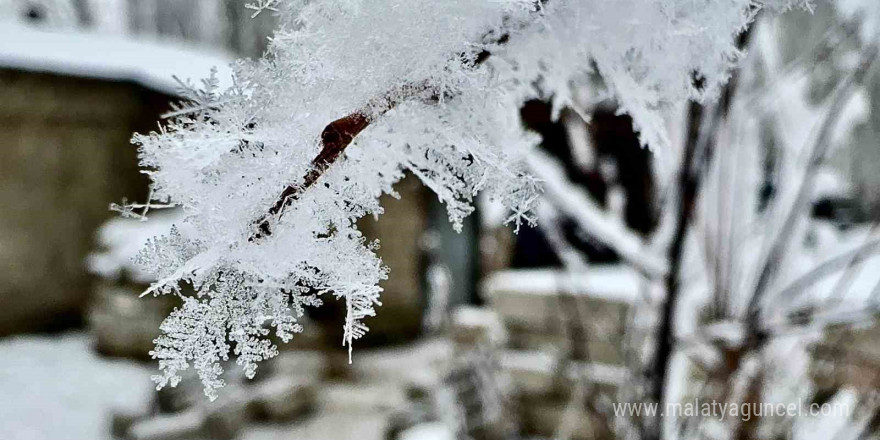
(112, 57)
(541, 363)
(528, 361)
(575, 203)
(55, 387)
(471, 316)
(428, 431)
(110, 16)
(829, 183)
(833, 425)
(121, 239)
(616, 283)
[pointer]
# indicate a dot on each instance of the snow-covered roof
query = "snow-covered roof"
(152, 64)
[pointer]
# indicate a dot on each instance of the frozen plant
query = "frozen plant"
(273, 172)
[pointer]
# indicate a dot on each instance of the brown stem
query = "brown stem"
(698, 149)
(689, 182)
(336, 136)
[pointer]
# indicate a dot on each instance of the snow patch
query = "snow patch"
(55, 387)
(112, 57)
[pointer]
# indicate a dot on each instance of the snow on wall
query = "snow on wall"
(615, 283)
(112, 57)
(121, 239)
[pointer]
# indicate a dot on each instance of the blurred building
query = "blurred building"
(77, 78)
(225, 24)
(70, 102)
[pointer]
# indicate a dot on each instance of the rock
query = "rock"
(225, 420)
(362, 396)
(476, 325)
(181, 426)
(121, 422)
(403, 419)
(295, 363)
(532, 373)
(847, 356)
(548, 310)
(187, 394)
(543, 417)
(123, 324)
(533, 298)
(536, 373)
(283, 398)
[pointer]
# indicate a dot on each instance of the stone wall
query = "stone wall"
(64, 156)
(399, 231)
(558, 347)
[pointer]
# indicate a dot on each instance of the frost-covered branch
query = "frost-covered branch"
(391, 87)
(334, 139)
(261, 6)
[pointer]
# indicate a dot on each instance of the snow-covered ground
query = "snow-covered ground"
(55, 387)
(360, 410)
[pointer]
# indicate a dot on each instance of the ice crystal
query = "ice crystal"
(436, 87)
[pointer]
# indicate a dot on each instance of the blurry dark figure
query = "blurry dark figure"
(616, 159)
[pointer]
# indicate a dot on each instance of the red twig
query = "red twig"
(336, 136)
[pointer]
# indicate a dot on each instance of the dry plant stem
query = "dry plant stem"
(687, 186)
(577, 205)
(828, 267)
(819, 148)
(756, 333)
(697, 155)
(850, 272)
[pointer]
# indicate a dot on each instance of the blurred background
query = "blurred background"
(482, 334)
